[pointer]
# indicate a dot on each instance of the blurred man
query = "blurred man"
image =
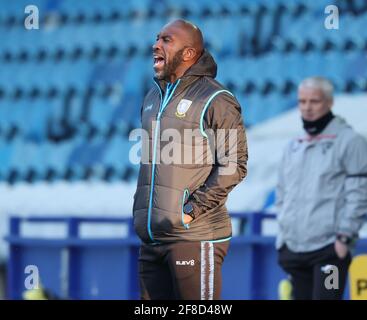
(321, 196)
(179, 208)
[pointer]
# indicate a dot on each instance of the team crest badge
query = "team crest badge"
(182, 108)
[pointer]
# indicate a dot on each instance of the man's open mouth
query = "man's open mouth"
(158, 61)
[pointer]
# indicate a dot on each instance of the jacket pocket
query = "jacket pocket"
(185, 196)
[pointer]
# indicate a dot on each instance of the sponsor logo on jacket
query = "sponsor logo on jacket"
(185, 263)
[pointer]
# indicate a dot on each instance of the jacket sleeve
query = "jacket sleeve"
(354, 161)
(229, 167)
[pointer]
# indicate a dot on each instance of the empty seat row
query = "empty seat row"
(22, 158)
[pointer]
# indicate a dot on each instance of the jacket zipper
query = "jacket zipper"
(164, 102)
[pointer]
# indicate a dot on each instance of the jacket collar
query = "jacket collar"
(334, 126)
(330, 132)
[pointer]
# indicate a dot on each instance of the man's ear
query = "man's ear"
(189, 54)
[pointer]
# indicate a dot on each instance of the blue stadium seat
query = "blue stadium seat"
(234, 70)
(75, 109)
(359, 5)
(222, 35)
(6, 79)
(116, 154)
(152, 28)
(37, 160)
(101, 112)
(273, 105)
(5, 113)
(136, 71)
(318, 7)
(266, 30)
(19, 157)
(355, 65)
(5, 158)
(129, 110)
(20, 113)
(80, 155)
(74, 8)
(194, 6)
(57, 156)
(253, 108)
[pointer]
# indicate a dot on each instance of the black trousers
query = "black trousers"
(309, 273)
(181, 270)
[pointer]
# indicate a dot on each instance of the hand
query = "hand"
(187, 219)
(341, 249)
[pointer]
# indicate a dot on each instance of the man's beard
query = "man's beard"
(171, 67)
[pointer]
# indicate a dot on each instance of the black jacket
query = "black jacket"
(196, 102)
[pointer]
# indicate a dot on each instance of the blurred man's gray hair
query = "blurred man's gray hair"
(319, 83)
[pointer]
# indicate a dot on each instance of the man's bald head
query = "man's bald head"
(192, 34)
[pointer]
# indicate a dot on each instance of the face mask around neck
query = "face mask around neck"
(316, 127)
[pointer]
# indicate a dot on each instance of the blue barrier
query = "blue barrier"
(72, 267)
(91, 268)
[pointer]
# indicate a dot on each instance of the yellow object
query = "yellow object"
(358, 278)
(285, 290)
(34, 294)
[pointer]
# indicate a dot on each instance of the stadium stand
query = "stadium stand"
(71, 91)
